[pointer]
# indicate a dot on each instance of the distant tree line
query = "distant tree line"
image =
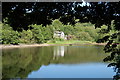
(42, 34)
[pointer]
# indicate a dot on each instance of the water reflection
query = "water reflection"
(21, 62)
(58, 52)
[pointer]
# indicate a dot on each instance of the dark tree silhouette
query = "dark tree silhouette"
(22, 14)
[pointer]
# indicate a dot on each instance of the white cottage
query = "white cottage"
(59, 34)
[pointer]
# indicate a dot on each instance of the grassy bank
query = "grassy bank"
(70, 42)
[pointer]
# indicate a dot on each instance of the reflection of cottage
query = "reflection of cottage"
(59, 34)
(58, 52)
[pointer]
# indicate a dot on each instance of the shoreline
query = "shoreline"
(45, 44)
(23, 45)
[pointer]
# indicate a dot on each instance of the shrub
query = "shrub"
(57, 25)
(37, 33)
(84, 36)
(10, 37)
(92, 32)
(58, 39)
(47, 32)
(68, 29)
(26, 36)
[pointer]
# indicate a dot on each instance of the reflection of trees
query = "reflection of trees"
(81, 54)
(20, 62)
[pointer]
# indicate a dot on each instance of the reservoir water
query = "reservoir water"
(77, 61)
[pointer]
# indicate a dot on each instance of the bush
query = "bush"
(47, 32)
(37, 33)
(26, 36)
(68, 29)
(53, 41)
(58, 39)
(57, 25)
(9, 36)
(92, 32)
(84, 36)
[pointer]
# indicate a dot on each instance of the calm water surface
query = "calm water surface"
(82, 61)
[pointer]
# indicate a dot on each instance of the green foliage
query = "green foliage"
(57, 25)
(37, 33)
(58, 39)
(84, 36)
(86, 31)
(92, 33)
(43, 34)
(9, 36)
(47, 33)
(78, 27)
(103, 31)
(26, 36)
(68, 29)
(55, 40)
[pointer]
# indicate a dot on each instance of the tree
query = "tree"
(20, 15)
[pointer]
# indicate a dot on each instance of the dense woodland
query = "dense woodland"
(34, 22)
(43, 34)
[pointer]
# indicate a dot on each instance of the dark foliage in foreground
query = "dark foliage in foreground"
(20, 15)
